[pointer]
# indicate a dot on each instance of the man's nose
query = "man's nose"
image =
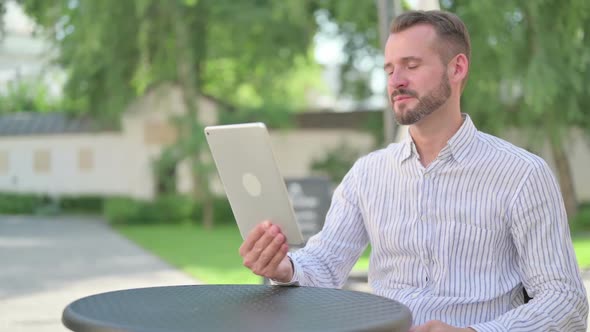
(397, 80)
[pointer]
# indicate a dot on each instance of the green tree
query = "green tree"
(530, 70)
(530, 67)
(29, 96)
(242, 53)
(356, 23)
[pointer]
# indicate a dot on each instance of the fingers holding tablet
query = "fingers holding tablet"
(264, 251)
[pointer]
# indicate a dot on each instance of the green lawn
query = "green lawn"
(582, 248)
(212, 256)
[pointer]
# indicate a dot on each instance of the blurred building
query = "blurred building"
(53, 154)
(60, 156)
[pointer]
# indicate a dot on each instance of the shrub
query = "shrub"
(581, 222)
(19, 203)
(170, 208)
(122, 210)
(222, 212)
(86, 204)
(336, 163)
(15, 203)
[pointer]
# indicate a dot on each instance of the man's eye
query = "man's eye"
(412, 66)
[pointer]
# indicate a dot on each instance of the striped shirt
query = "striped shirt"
(456, 241)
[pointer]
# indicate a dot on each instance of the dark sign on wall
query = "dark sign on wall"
(311, 198)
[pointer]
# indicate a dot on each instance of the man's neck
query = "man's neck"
(432, 133)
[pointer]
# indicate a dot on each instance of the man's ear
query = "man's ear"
(458, 68)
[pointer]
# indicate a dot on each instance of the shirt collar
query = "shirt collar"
(408, 148)
(457, 146)
(460, 143)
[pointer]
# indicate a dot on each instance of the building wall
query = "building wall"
(121, 163)
(117, 163)
(66, 164)
(296, 150)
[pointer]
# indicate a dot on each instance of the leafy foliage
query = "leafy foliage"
(20, 203)
(336, 163)
(356, 24)
(245, 53)
(530, 70)
(581, 222)
(249, 55)
(24, 96)
(530, 64)
(30, 203)
(166, 209)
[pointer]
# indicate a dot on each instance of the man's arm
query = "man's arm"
(328, 256)
(548, 265)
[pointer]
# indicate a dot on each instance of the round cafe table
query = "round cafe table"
(244, 308)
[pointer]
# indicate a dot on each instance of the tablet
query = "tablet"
(253, 184)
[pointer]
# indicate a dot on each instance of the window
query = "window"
(4, 162)
(85, 159)
(159, 133)
(42, 161)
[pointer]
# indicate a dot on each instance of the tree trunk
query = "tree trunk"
(202, 193)
(565, 177)
(552, 123)
(188, 69)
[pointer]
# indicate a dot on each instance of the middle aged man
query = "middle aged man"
(459, 221)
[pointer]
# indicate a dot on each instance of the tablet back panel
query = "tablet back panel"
(255, 189)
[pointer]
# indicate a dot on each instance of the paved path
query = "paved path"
(46, 263)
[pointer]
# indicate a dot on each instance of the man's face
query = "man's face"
(417, 81)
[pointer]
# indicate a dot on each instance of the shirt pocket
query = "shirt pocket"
(468, 256)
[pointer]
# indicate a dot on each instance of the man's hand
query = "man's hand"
(265, 253)
(438, 326)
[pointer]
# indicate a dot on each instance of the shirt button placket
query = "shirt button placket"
(426, 209)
